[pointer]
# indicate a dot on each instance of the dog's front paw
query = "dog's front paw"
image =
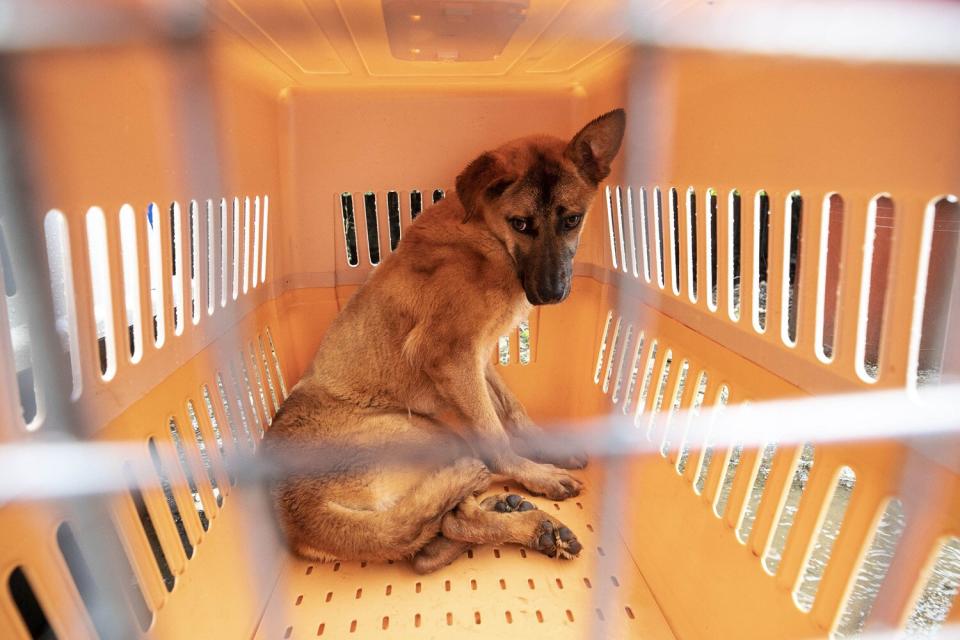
(551, 482)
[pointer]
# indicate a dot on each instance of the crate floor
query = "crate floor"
(490, 592)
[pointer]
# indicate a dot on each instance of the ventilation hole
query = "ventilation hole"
(831, 519)
(385, 623)
(254, 413)
(64, 299)
(266, 227)
(681, 383)
(94, 599)
(586, 581)
(614, 344)
(336, 567)
(29, 608)
(873, 289)
(149, 530)
(416, 204)
(446, 585)
(503, 350)
(176, 266)
(603, 347)
(259, 380)
(225, 401)
(658, 232)
(828, 275)
(523, 340)
(508, 616)
(706, 456)
(329, 595)
(210, 250)
(523, 553)
(531, 584)
(675, 240)
(791, 267)
(224, 252)
(359, 594)
(937, 336)
(185, 466)
(726, 481)
(939, 592)
(194, 249)
(569, 615)
(217, 434)
(235, 232)
(438, 195)
(470, 553)
(661, 390)
(476, 617)
(733, 253)
(601, 551)
(101, 287)
(309, 571)
(288, 632)
(623, 251)
(691, 241)
(276, 363)
(634, 372)
(255, 264)
(758, 483)
(610, 228)
(353, 626)
(559, 583)
(503, 584)
(787, 511)
(473, 585)
(600, 615)
(556, 506)
(417, 587)
(299, 600)
(632, 227)
(449, 619)
(17, 319)
(614, 580)
(6, 267)
(321, 628)
(131, 280)
(761, 249)
(389, 589)
(373, 226)
(872, 571)
(711, 246)
(647, 379)
(416, 620)
(695, 405)
(245, 282)
(579, 505)
(539, 615)
(393, 218)
(626, 353)
(204, 456)
(589, 526)
(170, 499)
(349, 229)
(629, 612)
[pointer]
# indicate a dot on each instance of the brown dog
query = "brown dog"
(415, 343)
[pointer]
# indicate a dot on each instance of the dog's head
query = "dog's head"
(533, 194)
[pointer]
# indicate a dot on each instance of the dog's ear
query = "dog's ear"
(596, 145)
(485, 177)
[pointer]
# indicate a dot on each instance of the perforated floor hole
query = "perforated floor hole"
(488, 593)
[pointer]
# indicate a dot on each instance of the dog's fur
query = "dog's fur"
(414, 344)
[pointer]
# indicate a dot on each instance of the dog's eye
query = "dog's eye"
(572, 222)
(521, 225)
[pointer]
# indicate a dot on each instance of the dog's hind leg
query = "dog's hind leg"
(508, 518)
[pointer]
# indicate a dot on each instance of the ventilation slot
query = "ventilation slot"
(623, 250)
(661, 390)
(131, 280)
(373, 226)
(644, 240)
(224, 252)
(624, 355)
(758, 483)
(706, 456)
(210, 249)
(613, 240)
(698, 397)
(171, 500)
(828, 275)
(217, 434)
(260, 391)
(235, 231)
(194, 225)
(393, 218)
(523, 341)
(101, 611)
(645, 387)
(255, 263)
(818, 556)
(32, 614)
(18, 323)
(675, 240)
(155, 265)
(761, 249)
(711, 246)
(266, 372)
(204, 456)
(939, 593)
(658, 232)
(276, 363)
(787, 511)
(245, 282)
(603, 348)
(255, 414)
(438, 195)
(614, 344)
(937, 336)
(266, 228)
(873, 570)
(416, 204)
(631, 225)
(226, 407)
(691, 240)
(102, 296)
(730, 466)
(61, 281)
(733, 253)
(873, 287)
(188, 473)
(176, 234)
(149, 530)
(634, 373)
(349, 229)
(791, 268)
(674, 407)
